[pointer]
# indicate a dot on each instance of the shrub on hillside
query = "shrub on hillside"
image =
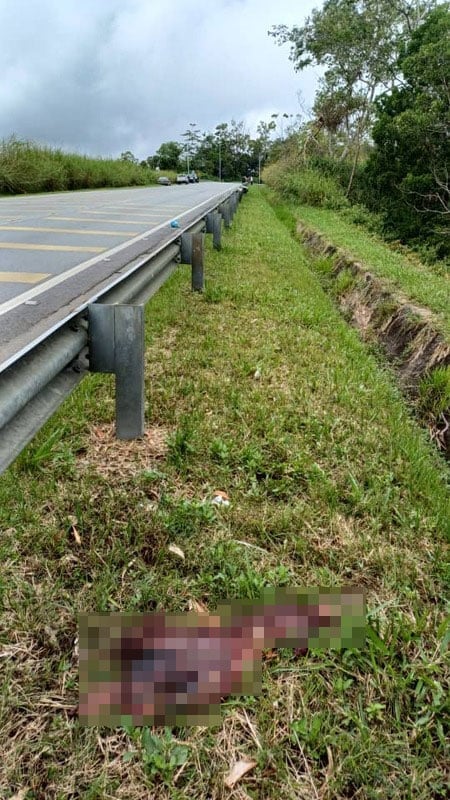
(304, 186)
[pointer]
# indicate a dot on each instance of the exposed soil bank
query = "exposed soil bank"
(406, 332)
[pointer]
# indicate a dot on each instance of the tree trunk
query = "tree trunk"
(359, 132)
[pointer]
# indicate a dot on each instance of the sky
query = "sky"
(104, 76)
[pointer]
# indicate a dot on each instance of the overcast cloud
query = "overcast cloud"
(103, 76)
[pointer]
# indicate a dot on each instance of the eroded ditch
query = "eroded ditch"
(406, 333)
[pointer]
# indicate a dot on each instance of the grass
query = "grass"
(418, 282)
(331, 482)
(30, 167)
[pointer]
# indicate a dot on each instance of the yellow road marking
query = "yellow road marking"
(134, 213)
(62, 230)
(57, 247)
(91, 219)
(23, 277)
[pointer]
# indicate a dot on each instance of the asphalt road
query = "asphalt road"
(56, 248)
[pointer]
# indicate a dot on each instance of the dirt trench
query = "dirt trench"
(405, 331)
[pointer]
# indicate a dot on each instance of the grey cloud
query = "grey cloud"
(101, 76)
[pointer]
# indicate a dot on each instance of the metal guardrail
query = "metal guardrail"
(106, 335)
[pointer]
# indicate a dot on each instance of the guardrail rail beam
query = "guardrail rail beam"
(108, 331)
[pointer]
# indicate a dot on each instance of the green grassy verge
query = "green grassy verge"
(29, 167)
(331, 482)
(406, 273)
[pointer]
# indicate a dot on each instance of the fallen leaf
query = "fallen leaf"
(20, 795)
(51, 635)
(330, 768)
(238, 770)
(177, 551)
(199, 608)
(76, 535)
(73, 528)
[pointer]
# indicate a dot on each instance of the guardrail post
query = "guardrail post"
(228, 216)
(217, 231)
(129, 364)
(209, 220)
(116, 344)
(186, 248)
(197, 261)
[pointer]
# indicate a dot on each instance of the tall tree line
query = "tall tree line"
(381, 117)
(228, 152)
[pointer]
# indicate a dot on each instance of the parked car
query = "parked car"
(164, 181)
(183, 178)
(193, 177)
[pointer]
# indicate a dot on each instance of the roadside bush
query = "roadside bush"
(341, 171)
(304, 186)
(360, 215)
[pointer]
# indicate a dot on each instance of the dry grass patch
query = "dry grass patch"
(119, 459)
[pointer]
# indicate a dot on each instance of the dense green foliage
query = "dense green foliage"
(305, 186)
(408, 171)
(380, 129)
(29, 167)
(357, 42)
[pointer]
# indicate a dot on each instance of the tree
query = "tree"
(358, 42)
(408, 172)
(168, 155)
(129, 157)
(191, 142)
(227, 152)
(213, 153)
(261, 146)
(221, 135)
